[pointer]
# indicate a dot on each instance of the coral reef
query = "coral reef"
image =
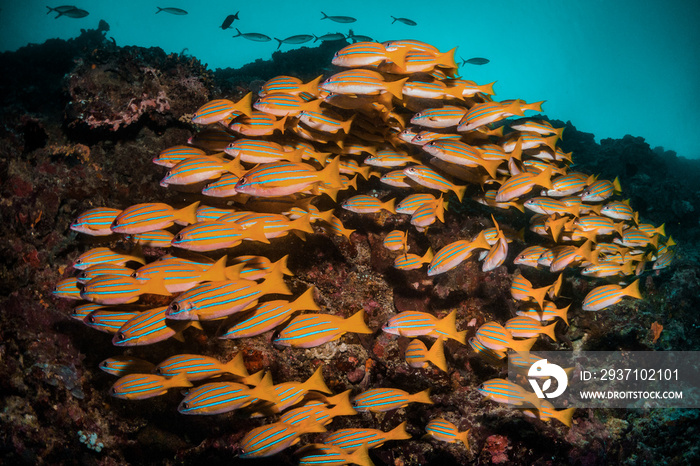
(86, 141)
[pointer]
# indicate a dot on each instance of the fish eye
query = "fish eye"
(134, 275)
(120, 336)
(115, 223)
(178, 237)
(186, 405)
(159, 370)
(174, 307)
(241, 180)
(91, 319)
(79, 261)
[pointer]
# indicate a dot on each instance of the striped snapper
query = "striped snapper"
(107, 255)
(261, 151)
(273, 225)
(547, 412)
(604, 296)
(68, 288)
(431, 90)
(549, 206)
(223, 397)
(364, 82)
(600, 190)
(425, 136)
(114, 289)
(470, 88)
(522, 290)
(620, 210)
(289, 85)
(327, 455)
(225, 186)
(608, 269)
(325, 121)
(528, 141)
(443, 117)
(542, 127)
(153, 239)
(82, 310)
(109, 320)
(258, 124)
(143, 386)
(460, 153)
(408, 261)
(284, 178)
(487, 112)
(549, 313)
(362, 54)
(529, 256)
(269, 439)
(99, 270)
(290, 393)
(388, 158)
(210, 236)
(320, 410)
(525, 327)
(634, 237)
(414, 324)
(443, 430)
(256, 267)
(385, 399)
(197, 367)
(220, 109)
(352, 439)
(496, 255)
(271, 314)
(495, 358)
(398, 179)
(173, 155)
(410, 45)
(505, 391)
(494, 336)
(422, 61)
(123, 365)
(199, 169)
(280, 104)
(568, 184)
(150, 327)
(519, 185)
(213, 300)
(429, 178)
(180, 274)
(418, 355)
(364, 204)
(140, 218)
(453, 254)
(396, 240)
(311, 330)
(412, 202)
(95, 222)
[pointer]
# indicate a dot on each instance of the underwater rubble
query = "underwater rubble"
(56, 164)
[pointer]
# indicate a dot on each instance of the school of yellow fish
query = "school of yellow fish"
(398, 113)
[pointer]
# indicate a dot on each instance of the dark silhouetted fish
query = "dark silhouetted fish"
(358, 37)
(406, 21)
(476, 61)
(172, 11)
(339, 19)
(254, 36)
(61, 9)
(329, 37)
(298, 39)
(229, 19)
(73, 13)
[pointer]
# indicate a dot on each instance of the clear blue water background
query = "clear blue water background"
(611, 67)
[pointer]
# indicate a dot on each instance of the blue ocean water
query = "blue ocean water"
(610, 67)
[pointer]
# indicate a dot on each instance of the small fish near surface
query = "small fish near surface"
(229, 20)
(476, 61)
(339, 19)
(254, 36)
(406, 21)
(69, 11)
(298, 39)
(172, 11)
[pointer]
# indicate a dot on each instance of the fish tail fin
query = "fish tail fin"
(523, 345)
(661, 230)
(159, 9)
(280, 42)
(306, 301)
(155, 285)
(395, 88)
(316, 382)
(356, 323)
(330, 174)
(556, 286)
(563, 313)
(265, 390)
(616, 185)
(341, 404)
(283, 266)
(217, 271)
(398, 56)
(234, 272)
(394, 19)
(544, 178)
(312, 86)
(360, 457)
(459, 191)
(245, 105)
(256, 232)
(389, 205)
(236, 366)
(422, 397)
(326, 215)
(427, 257)
(364, 172)
(487, 88)
(50, 10)
(535, 106)
(274, 281)
(448, 326)
(632, 290)
(436, 355)
(302, 224)
(447, 59)
(315, 36)
(324, 15)
(549, 331)
(178, 380)
(538, 294)
(399, 432)
(464, 437)
(238, 33)
(491, 166)
(560, 132)
(253, 379)
(565, 416)
(187, 215)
